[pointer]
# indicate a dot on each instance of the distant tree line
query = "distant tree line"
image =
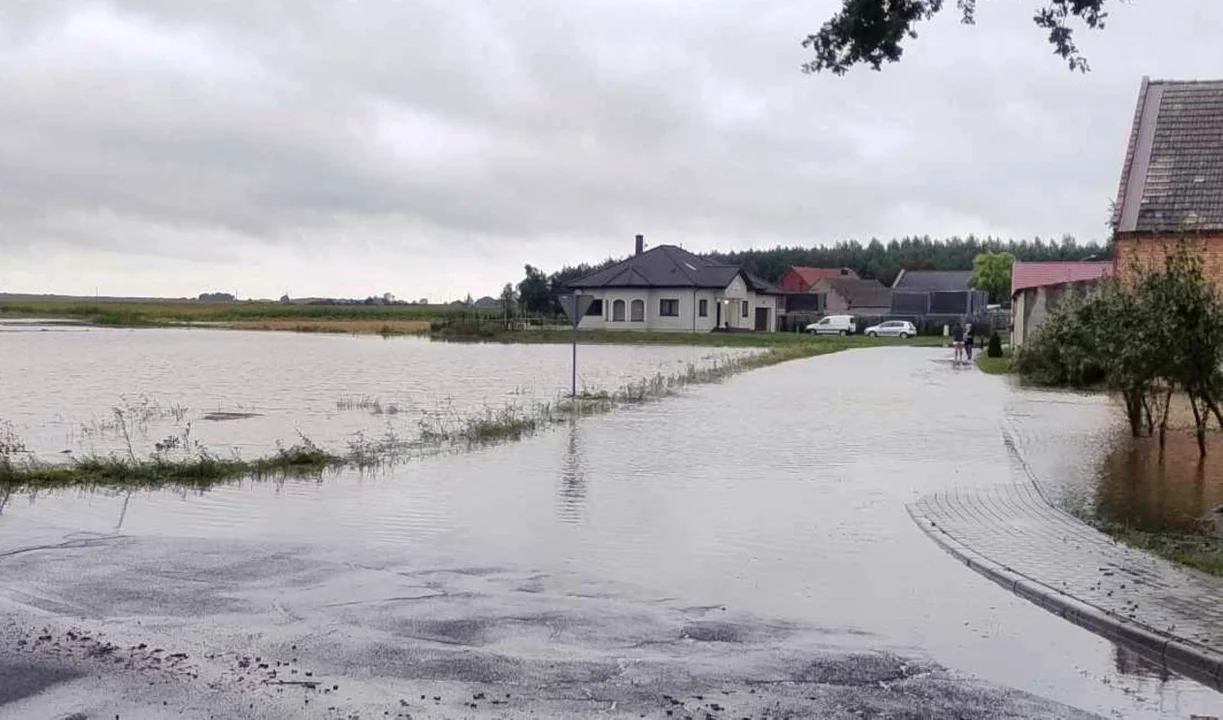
(536, 293)
(884, 261)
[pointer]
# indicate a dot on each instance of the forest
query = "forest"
(884, 261)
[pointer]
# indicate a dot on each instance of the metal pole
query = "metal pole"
(575, 357)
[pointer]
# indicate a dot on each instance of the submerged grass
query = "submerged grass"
(439, 430)
(203, 470)
(1199, 551)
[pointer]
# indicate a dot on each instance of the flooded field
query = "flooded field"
(763, 517)
(69, 389)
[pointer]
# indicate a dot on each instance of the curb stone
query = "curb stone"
(1190, 659)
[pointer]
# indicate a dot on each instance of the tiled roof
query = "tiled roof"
(812, 275)
(1026, 275)
(670, 266)
(932, 280)
(1172, 180)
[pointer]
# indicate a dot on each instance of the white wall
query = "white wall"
(688, 319)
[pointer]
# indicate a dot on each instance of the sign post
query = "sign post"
(575, 307)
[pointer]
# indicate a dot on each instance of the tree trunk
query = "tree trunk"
(1133, 409)
(1163, 421)
(1200, 422)
(1214, 408)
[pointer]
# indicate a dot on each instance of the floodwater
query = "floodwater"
(1095, 469)
(77, 389)
(780, 493)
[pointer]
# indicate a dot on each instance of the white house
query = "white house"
(669, 289)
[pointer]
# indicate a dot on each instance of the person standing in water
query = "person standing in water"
(957, 341)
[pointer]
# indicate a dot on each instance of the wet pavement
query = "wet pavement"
(1013, 535)
(746, 536)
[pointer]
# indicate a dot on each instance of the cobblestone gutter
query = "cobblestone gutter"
(1013, 536)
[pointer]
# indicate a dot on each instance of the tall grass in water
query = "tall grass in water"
(366, 402)
(516, 421)
(439, 430)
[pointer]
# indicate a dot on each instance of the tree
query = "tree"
(991, 272)
(1146, 339)
(871, 32)
(509, 300)
(534, 293)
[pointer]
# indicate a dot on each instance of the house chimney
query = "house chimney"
(640, 244)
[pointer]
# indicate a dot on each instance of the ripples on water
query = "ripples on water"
(1080, 450)
(781, 491)
(60, 385)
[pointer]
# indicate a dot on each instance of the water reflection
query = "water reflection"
(571, 491)
(1176, 490)
(1133, 664)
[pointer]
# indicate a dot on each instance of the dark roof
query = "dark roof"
(1172, 179)
(669, 266)
(932, 280)
(861, 293)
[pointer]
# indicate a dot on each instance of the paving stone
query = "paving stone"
(1015, 528)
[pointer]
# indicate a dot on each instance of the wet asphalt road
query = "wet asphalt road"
(744, 546)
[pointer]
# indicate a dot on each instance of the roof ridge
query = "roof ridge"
(680, 263)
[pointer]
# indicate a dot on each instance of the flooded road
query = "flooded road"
(776, 499)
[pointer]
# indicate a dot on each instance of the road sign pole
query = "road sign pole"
(575, 307)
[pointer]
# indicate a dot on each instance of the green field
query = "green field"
(138, 313)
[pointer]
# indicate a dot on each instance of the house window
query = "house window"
(595, 309)
(618, 311)
(703, 308)
(668, 307)
(637, 311)
(746, 306)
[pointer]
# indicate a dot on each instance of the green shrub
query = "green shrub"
(995, 345)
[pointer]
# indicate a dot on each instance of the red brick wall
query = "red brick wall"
(1132, 251)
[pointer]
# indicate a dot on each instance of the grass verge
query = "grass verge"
(996, 366)
(818, 344)
(1202, 552)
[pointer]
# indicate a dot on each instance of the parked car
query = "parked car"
(833, 325)
(892, 328)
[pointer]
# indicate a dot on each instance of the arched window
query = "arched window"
(637, 313)
(618, 311)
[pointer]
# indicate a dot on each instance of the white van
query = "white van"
(834, 325)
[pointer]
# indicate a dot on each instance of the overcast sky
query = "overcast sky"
(429, 148)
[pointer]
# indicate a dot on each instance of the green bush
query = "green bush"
(995, 345)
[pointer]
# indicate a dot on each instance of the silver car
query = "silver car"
(892, 328)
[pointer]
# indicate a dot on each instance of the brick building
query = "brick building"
(1172, 181)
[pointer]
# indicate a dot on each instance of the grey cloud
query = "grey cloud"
(295, 124)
